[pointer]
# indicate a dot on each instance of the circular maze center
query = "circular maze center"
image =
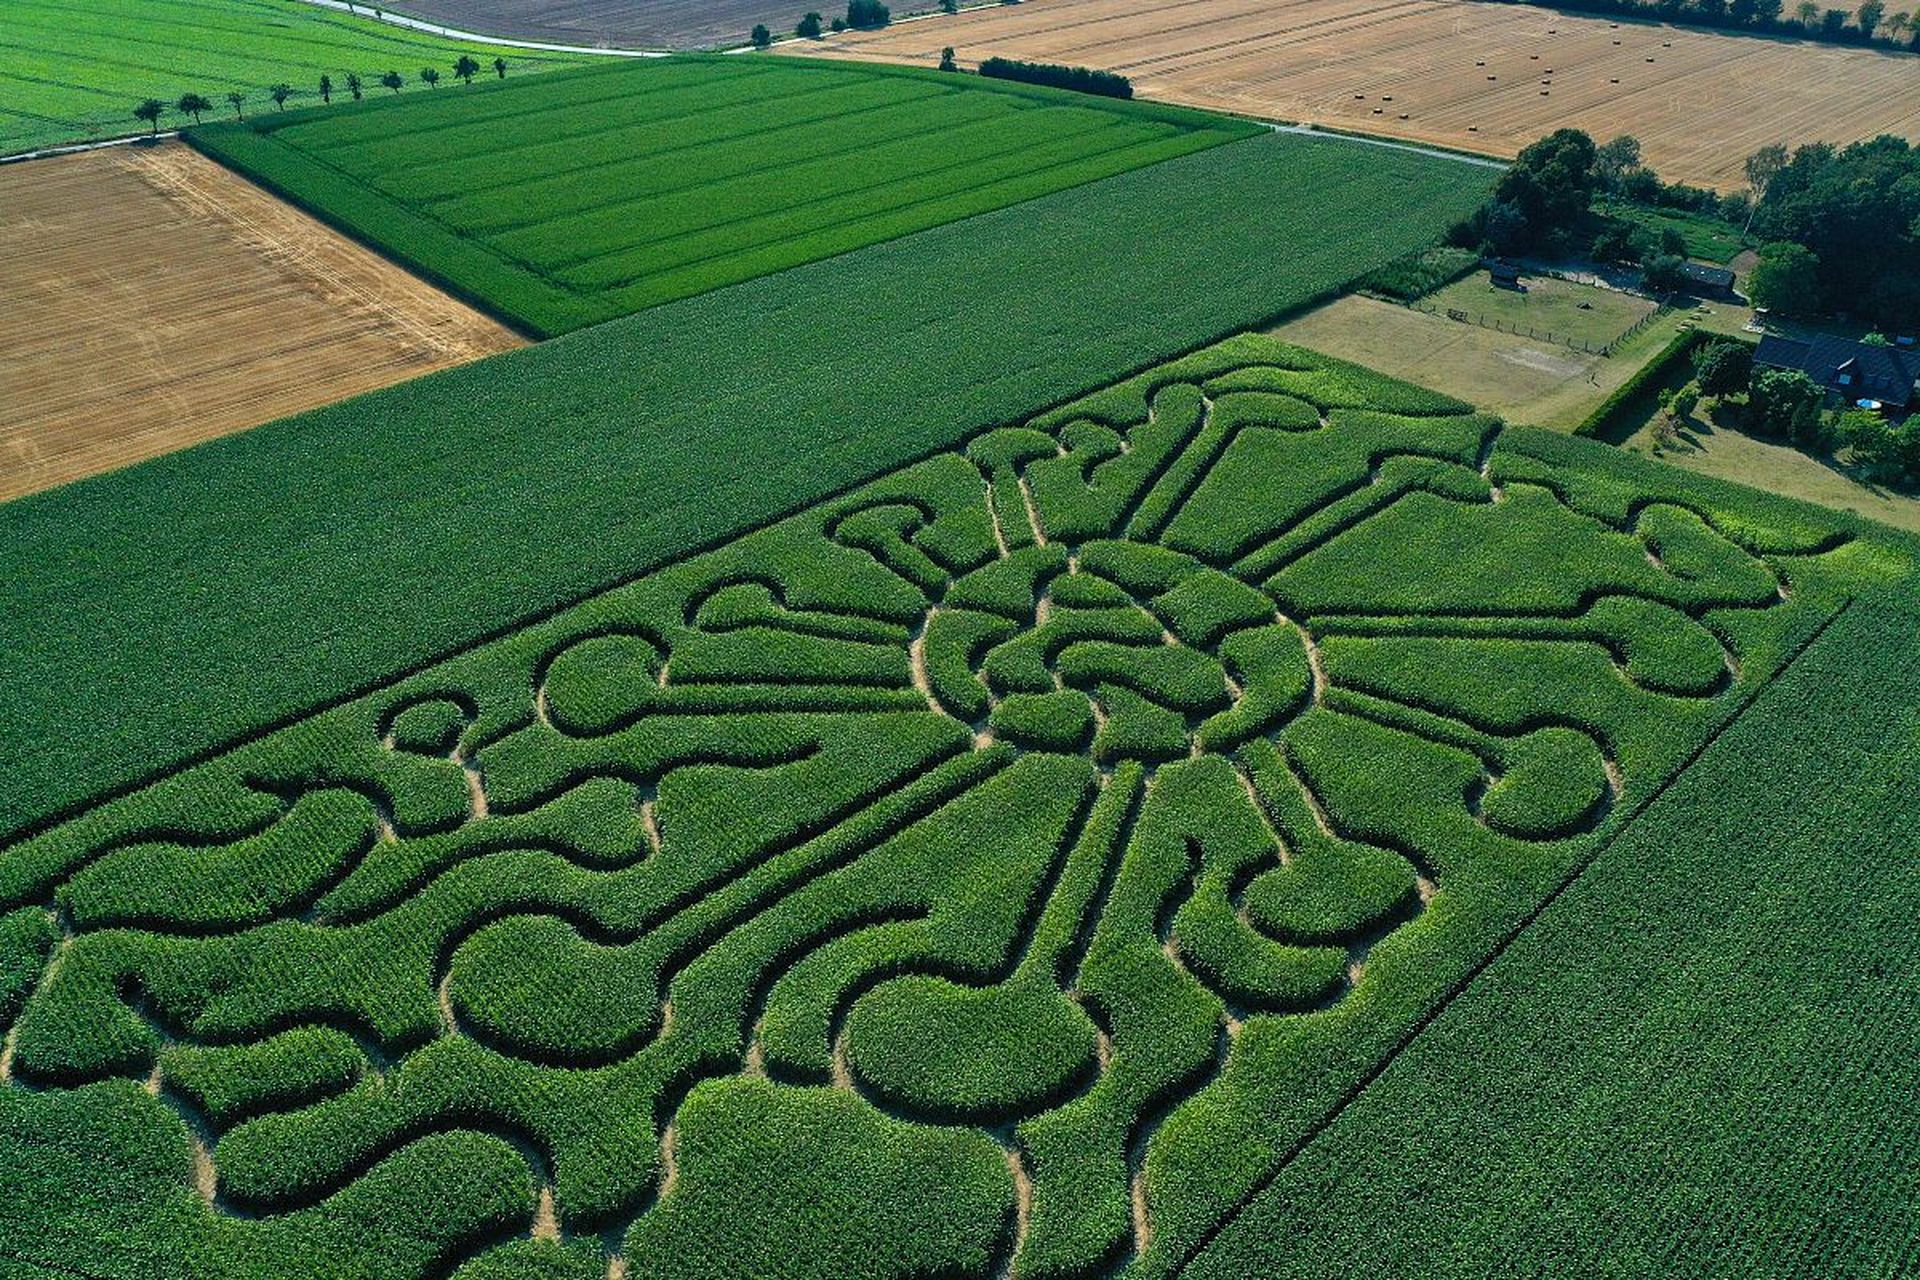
(1150, 657)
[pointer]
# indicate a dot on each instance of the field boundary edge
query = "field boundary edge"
(1579, 869)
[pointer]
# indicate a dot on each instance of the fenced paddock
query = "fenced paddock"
(1574, 342)
(1485, 77)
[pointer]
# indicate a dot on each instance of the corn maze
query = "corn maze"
(993, 870)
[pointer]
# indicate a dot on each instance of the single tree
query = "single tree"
(1787, 278)
(1809, 13)
(1833, 22)
(1868, 16)
(150, 111)
(353, 84)
(868, 15)
(1906, 447)
(809, 27)
(192, 104)
(393, 80)
(1613, 160)
(431, 76)
(1723, 368)
(326, 89)
(1897, 26)
(237, 100)
(1682, 403)
(500, 67)
(1662, 272)
(946, 60)
(949, 6)
(1766, 12)
(466, 68)
(280, 93)
(1871, 439)
(1763, 166)
(1672, 243)
(838, 25)
(1786, 403)
(762, 37)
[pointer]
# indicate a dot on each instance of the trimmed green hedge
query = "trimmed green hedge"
(1613, 411)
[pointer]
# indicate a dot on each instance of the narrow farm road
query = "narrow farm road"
(1485, 162)
(72, 147)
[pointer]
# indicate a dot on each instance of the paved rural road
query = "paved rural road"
(366, 10)
(1311, 132)
(130, 140)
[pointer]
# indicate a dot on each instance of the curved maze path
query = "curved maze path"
(989, 871)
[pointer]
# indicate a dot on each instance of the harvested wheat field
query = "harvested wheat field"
(153, 300)
(1487, 77)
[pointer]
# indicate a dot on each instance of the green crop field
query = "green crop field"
(999, 867)
(1698, 1062)
(73, 70)
(567, 200)
(419, 519)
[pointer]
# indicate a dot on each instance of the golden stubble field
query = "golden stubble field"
(1486, 77)
(152, 300)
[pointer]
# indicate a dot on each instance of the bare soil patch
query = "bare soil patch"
(153, 300)
(1485, 77)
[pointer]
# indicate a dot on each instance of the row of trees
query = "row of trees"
(1789, 406)
(1869, 23)
(150, 111)
(1106, 84)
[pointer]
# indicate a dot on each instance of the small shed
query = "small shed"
(1707, 282)
(1504, 275)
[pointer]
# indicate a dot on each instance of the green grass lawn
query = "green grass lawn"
(1721, 449)
(1547, 310)
(997, 866)
(73, 70)
(567, 200)
(1521, 378)
(1708, 239)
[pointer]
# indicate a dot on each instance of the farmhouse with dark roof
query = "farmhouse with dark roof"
(1850, 370)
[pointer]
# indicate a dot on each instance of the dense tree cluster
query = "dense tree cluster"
(1839, 228)
(1080, 79)
(1856, 211)
(1546, 190)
